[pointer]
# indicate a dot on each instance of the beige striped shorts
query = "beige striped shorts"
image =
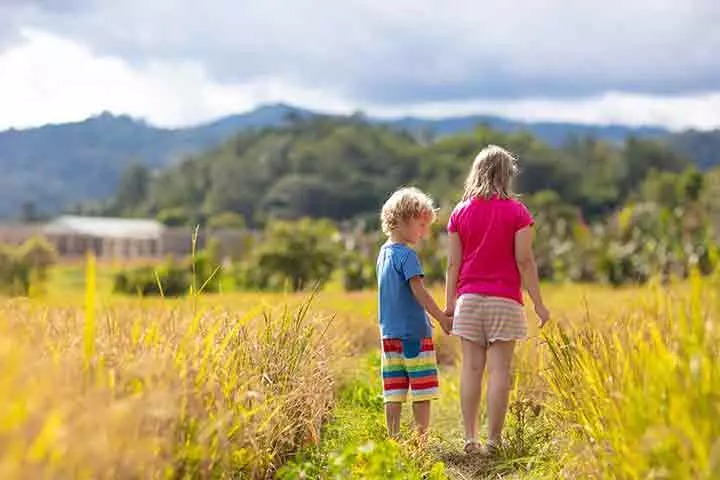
(483, 319)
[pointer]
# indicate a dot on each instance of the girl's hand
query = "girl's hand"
(543, 314)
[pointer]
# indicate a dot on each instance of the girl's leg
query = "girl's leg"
(392, 418)
(500, 356)
(421, 412)
(473, 364)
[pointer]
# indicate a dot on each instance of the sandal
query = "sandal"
(493, 448)
(472, 446)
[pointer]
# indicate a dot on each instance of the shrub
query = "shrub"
(358, 272)
(301, 253)
(168, 279)
(25, 267)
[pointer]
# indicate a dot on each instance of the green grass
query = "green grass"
(355, 444)
(528, 451)
(70, 279)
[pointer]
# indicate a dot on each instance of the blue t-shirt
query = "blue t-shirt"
(401, 315)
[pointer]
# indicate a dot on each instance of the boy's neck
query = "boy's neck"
(397, 238)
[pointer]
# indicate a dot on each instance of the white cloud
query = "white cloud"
(48, 79)
(700, 111)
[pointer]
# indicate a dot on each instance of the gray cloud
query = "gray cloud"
(404, 52)
(15, 14)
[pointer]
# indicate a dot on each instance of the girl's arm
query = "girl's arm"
(425, 299)
(528, 271)
(453, 270)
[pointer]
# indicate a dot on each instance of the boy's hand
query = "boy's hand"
(446, 323)
(543, 314)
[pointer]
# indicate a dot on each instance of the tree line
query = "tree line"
(343, 168)
(606, 212)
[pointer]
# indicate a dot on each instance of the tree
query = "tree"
(304, 253)
(710, 196)
(26, 266)
(599, 168)
(174, 217)
(643, 156)
(227, 220)
(39, 255)
(690, 185)
(661, 188)
(133, 190)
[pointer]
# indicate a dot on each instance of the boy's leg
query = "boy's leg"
(424, 384)
(392, 418)
(473, 365)
(395, 383)
(421, 412)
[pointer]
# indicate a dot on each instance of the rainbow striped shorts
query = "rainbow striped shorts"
(409, 365)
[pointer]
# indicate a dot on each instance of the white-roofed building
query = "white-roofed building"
(125, 238)
(106, 237)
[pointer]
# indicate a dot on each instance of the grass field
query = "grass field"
(624, 384)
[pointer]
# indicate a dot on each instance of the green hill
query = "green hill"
(56, 166)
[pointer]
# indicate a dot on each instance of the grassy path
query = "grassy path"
(354, 444)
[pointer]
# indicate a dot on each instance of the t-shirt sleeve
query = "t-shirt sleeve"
(524, 217)
(452, 223)
(411, 266)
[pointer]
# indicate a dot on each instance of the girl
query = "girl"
(489, 254)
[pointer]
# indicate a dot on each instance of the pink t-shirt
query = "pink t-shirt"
(487, 228)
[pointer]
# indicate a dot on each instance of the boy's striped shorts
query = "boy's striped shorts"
(409, 365)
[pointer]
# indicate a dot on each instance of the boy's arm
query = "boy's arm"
(425, 299)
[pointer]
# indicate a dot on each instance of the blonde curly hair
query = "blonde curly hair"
(404, 204)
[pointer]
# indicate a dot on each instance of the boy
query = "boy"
(408, 359)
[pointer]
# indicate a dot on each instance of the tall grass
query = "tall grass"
(178, 389)
(89, 331)
(625, 384)
(639, 397)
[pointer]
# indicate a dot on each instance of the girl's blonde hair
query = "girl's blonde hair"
(404, 204)
(491, 174)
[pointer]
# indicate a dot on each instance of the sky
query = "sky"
(181, 62)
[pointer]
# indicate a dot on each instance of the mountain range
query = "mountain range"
(52, 167)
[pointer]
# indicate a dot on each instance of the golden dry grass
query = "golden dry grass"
(157, 389)
(230, 385)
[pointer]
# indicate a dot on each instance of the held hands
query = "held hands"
(446, 323)
(447, 320)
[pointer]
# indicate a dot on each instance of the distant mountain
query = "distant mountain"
(554, 134)
(55, 166)
(703, 148)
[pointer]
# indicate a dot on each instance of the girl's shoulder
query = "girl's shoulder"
(511, 208)
(516, 202)
(462, 204)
